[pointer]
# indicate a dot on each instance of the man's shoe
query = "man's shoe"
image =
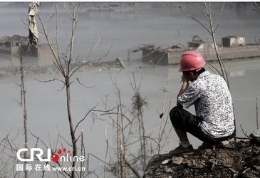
(180, 149)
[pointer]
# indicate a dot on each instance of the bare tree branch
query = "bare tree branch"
(131, 167)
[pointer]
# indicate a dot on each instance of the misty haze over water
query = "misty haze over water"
(127, 28)
(124, 29)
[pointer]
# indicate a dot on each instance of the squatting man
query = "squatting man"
(209, 93)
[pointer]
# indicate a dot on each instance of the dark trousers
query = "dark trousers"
(187, 122)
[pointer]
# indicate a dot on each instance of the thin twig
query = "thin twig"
(257, 113)
(131, 167)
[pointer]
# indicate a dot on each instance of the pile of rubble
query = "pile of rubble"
(230, 159)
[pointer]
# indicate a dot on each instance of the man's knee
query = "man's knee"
(175, 113)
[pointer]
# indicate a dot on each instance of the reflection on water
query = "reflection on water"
(8, 60)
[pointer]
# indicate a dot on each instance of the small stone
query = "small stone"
(257, 168)
(233, 170)
(168, 170)
(177, 160)
(226, 142)
(166, 161)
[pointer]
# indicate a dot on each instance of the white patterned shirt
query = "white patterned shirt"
(213, 102)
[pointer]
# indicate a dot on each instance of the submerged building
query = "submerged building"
(10, 45)
(231, 47)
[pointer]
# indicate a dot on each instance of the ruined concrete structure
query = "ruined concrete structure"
(232, 47)
(10, 45)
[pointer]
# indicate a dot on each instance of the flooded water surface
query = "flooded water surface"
(123, 30)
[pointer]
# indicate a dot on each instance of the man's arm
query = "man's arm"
(184, 87)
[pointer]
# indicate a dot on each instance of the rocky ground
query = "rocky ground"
(230, 159)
